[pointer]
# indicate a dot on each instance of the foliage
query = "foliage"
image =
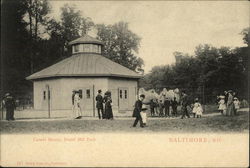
(245, 33)
(33, 41)
(14, 57)
(71, 26)
(215, 69)
(120, 44)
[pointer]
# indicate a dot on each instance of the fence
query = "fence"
(23, 100)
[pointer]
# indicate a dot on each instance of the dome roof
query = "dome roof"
(86, 39)
(85, 65)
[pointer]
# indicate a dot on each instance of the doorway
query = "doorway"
(123, 96)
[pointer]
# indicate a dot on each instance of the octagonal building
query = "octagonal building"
(87, 71)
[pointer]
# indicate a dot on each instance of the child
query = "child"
(161, 106)
(222, 105)
(197, 110)
(236, 105)
(144, 115)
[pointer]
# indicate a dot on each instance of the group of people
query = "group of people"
(228, 103)
(103, 105)
(163, 107)
(106, 112)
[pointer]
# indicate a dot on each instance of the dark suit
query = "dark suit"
(174, 107)
(99, 105)
(9, 104)
(136, 113)
(166, 106)
(184, 105)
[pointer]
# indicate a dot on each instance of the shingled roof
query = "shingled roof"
(85, 65)
(86, 39)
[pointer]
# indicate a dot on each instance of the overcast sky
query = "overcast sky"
(166, 27)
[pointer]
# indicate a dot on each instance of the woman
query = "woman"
(230, 104)
(108, 107)
(222, 106)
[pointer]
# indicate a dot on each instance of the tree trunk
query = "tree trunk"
(30, 47)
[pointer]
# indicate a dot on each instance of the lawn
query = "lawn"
(208, 123)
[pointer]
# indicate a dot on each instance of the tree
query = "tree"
(14, 36)
(212, 70)
(71, 26)
(245, 33)
(37, 11)
(120, 45)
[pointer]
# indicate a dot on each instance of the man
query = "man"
(174, 107)
(226, 96)
(9, 104)
(184, 104)
(99, 104)
(166, 106)
(137, 111)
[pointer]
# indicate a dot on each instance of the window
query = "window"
(99, 49)
(86, 47)
(88, 93)
(120, 93)
(125, 94)
(95, 48)
(80, 93)
(76, 48)
(44, 95)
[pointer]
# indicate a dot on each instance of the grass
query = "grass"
(208, 123)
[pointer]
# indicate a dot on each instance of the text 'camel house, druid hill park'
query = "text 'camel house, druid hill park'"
(86, 71)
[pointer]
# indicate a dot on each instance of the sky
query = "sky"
(168, 26)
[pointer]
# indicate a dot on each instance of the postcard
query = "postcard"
(124, 83)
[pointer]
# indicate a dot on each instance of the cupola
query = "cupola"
(86, 44)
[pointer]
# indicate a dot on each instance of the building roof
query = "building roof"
(85, 65)
(86, 39)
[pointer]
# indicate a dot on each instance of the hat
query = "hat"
(230, 91)
(222, 97)
(196, 99)
(142, 95)
(7, 94)
(235, 98)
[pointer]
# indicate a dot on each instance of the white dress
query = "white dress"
(237, 104)
(222, 105)
(197, 109)
(144, 114)
(76, 108)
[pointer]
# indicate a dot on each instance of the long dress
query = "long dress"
(197, 109)
(222, 105)
(76, 108)
(230, 106)
(108, 109)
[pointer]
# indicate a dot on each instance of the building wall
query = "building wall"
(122, 106)
(41, 103)
(70, 84)
(61, 95)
